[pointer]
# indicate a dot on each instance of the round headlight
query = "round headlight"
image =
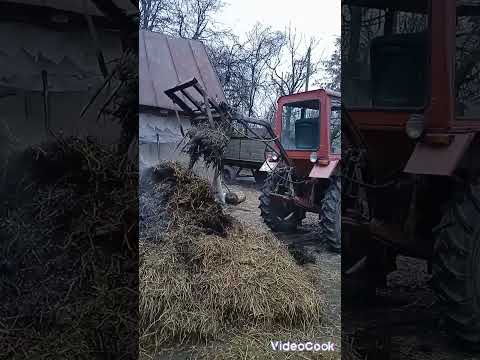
(274, 157)
(415, 126)
(313, 157)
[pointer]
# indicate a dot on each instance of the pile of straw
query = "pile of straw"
(210, 276)
(68, 252)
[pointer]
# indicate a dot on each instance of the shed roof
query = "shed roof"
(165, 61)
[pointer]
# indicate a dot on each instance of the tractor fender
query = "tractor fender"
(323, 172)
(429, 159)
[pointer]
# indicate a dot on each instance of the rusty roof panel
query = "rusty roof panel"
(185, 63)
(160, 68)
(207, 75)
(167, 61)
(146, 89)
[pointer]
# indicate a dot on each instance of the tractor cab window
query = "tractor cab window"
(384, 55)
(301, 125)
(335, 127)
(467, 80)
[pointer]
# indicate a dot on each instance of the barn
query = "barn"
(164, 62)
(51, 69)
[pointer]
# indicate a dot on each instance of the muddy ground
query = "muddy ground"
(406, 321)
(306, 246)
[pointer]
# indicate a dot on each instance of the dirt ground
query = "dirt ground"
(306, 245)
(405, 323)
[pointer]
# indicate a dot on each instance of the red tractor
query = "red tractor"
(303, 165)
(410, 146)
(302, 153)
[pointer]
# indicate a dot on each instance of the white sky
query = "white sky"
(318, 18)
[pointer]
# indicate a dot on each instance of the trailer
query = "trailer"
(244, 153)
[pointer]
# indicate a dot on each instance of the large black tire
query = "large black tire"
(277, 218)
(330, 216)
(456, 265)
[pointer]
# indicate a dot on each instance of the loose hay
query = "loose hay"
(190, 202)
(210, 275)
(69, 241)
(203, 141)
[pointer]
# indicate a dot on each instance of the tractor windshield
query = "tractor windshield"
(385, 54)
(301, 125)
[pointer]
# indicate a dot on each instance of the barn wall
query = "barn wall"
(169, 136)
(69, 58)
(24, 115)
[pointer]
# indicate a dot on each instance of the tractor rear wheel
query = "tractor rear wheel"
(280, 217)
(456, 265)
(330, 216)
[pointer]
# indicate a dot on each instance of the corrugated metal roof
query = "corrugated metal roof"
(76, 6)
(166, 61)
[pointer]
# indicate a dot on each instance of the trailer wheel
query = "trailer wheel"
(330, 216)
(229, 174)
(283, 218)
(456, 265)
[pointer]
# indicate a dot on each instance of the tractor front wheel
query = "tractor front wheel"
(456, 265)
(280, 217)
(330, 216)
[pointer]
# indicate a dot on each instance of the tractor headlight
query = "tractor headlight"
(313, 157)
(274, 157)
(415, 126)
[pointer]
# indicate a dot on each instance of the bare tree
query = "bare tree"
(153, 14)
(193, 19)
(261, 47)
(290, 77)
(333, 69)
(242, 67)
(226, 55)
(190, 19)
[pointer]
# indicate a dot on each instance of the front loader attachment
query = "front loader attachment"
(195, 103)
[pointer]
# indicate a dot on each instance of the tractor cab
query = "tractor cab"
(411, 71)
(411, 90)
(387, 54)
(308, 127)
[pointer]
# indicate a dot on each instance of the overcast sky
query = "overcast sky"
(318, 18)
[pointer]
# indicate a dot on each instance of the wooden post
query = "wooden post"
(217, 184)
(46, 107)
(209, 112)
